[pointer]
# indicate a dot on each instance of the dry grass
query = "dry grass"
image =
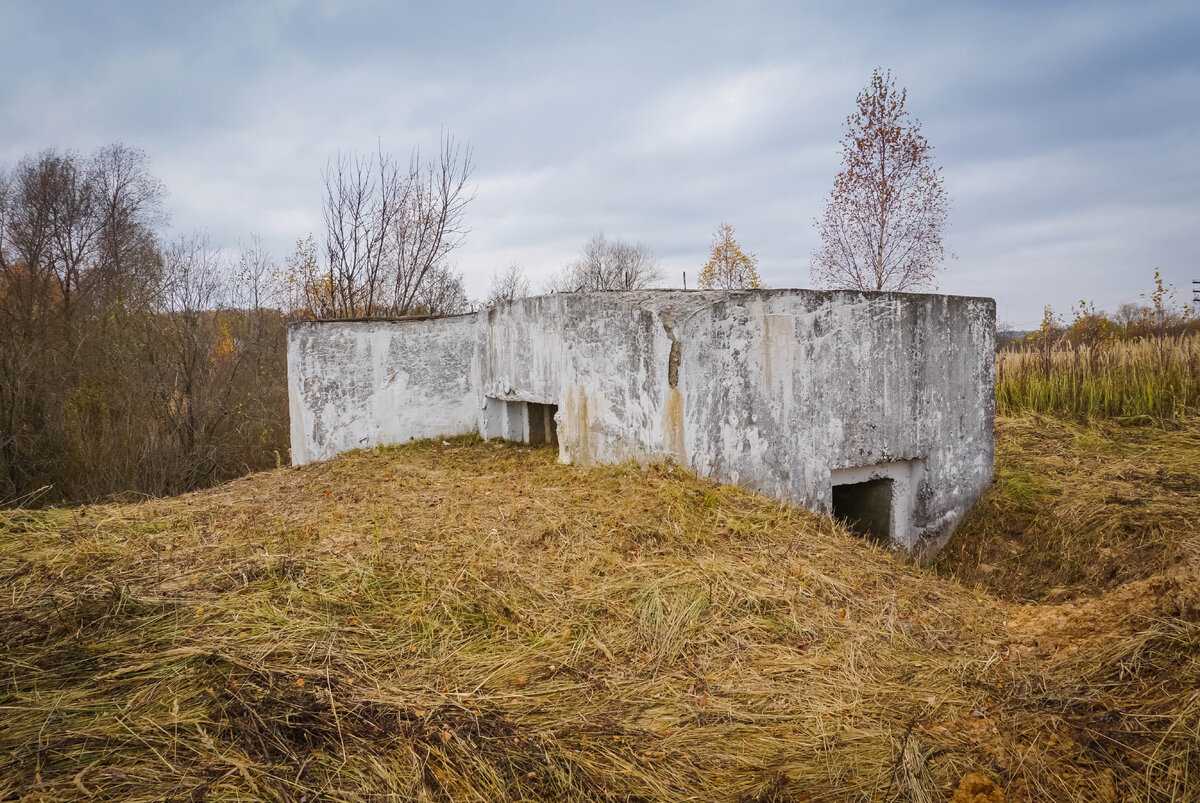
(1155, 379)
(477, 622)
(1081, 509)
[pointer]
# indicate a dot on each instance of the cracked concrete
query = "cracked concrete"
(775, 390)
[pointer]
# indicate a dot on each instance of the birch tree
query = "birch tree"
(883, 220)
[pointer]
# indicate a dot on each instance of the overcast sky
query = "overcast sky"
(1069, 133)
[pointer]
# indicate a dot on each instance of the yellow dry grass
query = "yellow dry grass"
(1155, 379)
(477, 622)
(1081, 508)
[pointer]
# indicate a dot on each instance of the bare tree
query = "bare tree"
(26, 243)
(79, 222)
(434, 221)
(389, 231)
(74, 225)
(508, 284)
(364, 197)
(255, 269)
(195, 276)
(883, 220)
(1129, 314)
(609, 265)
(255, 287)
(129, 200)
(441, 293)
(201, 364)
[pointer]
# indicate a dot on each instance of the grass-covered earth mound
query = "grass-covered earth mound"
(1080, 509)
(474, 621)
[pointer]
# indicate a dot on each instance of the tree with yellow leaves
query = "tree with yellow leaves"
(728, 267)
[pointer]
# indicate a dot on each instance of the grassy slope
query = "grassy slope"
(476, 622)
(1081, 509)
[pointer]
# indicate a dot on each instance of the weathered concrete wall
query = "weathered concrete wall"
(359, 384)
(816, 382)
(781, 391)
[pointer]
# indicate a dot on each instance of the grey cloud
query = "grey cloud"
(1066, 130)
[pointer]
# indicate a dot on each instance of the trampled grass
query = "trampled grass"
(1156, 380)
(477, 622)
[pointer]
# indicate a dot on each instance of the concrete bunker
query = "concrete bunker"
(875, 407)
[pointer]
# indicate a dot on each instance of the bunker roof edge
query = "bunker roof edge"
(715, 295)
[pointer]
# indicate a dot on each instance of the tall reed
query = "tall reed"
(1156, 378)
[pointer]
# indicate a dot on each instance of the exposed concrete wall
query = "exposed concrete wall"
(816, 382)
(773, 390)
(359, 384)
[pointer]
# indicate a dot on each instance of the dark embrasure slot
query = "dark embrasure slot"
(865, 507)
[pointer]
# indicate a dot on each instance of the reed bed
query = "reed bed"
(1155, 379)
(474, 621)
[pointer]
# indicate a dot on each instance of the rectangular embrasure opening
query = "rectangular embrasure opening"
(542, 426)
(865, 508)
(520, 421)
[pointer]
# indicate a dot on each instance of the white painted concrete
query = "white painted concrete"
(906, 477)
(773, 390)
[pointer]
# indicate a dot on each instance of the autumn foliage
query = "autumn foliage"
(882, 224)
(129, 362)
(134, 361)
(728, 267)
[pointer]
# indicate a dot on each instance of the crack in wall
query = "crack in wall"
(675, 357)
(673, 424)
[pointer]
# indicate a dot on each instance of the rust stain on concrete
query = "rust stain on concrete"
(673, 425)
(578, 429)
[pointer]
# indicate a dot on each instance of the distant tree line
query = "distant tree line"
(136, 361)
(128, 362)
(133, 360)
(1158, 316)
